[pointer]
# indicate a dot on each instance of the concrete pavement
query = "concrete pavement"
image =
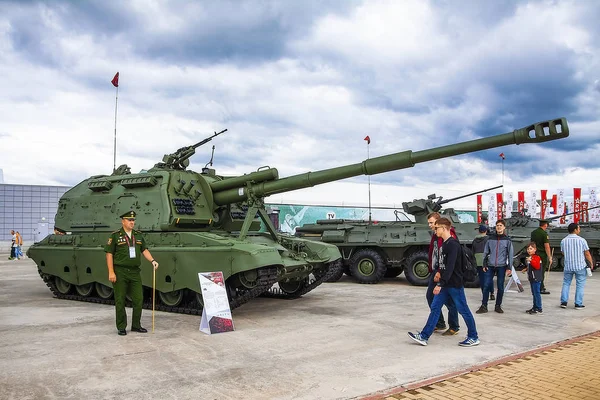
(343, 340)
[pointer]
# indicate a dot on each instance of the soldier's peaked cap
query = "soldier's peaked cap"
(129, 214)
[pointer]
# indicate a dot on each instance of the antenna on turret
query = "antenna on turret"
(211, 158)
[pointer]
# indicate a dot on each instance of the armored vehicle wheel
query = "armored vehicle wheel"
(171, 299)
(557, 263)
(290, 288)
(62, 286)
(85, 290)
(417, 268)
(393, 272)
(367, 266)
(336, 276)
(104, 291)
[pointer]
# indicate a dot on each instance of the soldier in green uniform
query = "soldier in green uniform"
(123, 251)
(540, 237)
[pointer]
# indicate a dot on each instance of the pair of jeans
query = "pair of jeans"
(537, 297)
(458, 297)
(452, 313)
(580, 278)
(481, 275)
(13, 252)
(488, 277)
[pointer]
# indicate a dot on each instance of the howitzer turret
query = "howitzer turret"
(202, 222)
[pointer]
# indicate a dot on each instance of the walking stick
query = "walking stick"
(153, 290)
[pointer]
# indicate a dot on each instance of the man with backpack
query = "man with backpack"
(449, 284)
(497, 258)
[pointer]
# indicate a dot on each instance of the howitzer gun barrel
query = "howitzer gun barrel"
(536, 133)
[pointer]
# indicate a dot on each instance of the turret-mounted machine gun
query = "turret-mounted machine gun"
(420, 208)
(181, 158)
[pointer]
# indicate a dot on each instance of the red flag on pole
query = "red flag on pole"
(502, 155)
(115, 80)
(368, 139)
(576, 204)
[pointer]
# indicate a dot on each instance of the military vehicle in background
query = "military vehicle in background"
(520, 226)
(372, 251)
(202, 222)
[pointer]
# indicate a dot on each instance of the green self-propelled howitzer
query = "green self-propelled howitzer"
(200, 222)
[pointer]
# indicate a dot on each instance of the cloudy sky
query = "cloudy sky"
(299, 85)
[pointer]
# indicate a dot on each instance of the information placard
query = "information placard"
(216, 314)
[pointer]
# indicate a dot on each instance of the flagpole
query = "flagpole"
(369, 178)
(115, 142)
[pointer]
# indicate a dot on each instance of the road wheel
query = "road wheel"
(62, 286)
(171, 299)
(367, 266)
(293, 287)
(104, 292)
(393, 272)
(417, 268)
(557, 263)
(85, 290)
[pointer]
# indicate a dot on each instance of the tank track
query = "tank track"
(334, 268)
(267, 276)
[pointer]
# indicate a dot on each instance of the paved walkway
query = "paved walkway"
(564, 370)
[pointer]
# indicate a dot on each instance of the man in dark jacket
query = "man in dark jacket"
(540, 237)
(497, 258)
(435, 246)
(449, 284)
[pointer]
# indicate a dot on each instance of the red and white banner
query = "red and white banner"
(520, 202)
(595, 213)
(561, 205)
(508, 208)
(576, 204)
(554, 204)
(584, 212)
(543, 204)
(479, 208)
(499, 206)
(492, 210)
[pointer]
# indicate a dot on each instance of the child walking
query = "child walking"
(535, 275)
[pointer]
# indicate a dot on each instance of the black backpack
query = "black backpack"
(469, 264)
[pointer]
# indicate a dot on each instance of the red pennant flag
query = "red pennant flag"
(368, 139)
(502, 155)
(115, 80)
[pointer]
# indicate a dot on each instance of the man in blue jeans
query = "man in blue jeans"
(449, 285)
(497, 258)
(575, 250)
(435, 249)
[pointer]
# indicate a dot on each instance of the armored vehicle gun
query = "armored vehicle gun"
(201, 222)
(372, 251)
